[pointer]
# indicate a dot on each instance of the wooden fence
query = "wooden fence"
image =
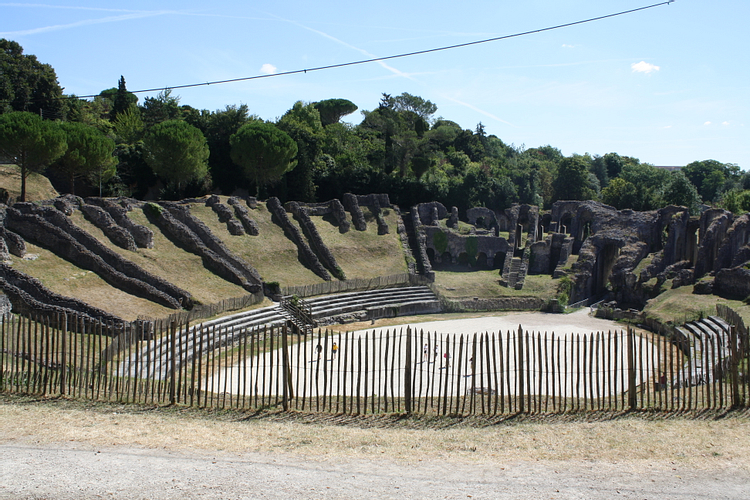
(355, 285)
(201, 311)
(369, 372)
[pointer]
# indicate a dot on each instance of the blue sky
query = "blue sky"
(668, 85)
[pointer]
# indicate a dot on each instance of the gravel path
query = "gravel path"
(64, 472)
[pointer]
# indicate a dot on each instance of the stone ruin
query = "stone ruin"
(623, 255)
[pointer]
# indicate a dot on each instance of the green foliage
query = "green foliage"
(161, 108)
(440, 241)
(572, 182)
(332, 110)
(303, 124)
(123, 100)
(710, 176)
(564, 289)
(680, 191)
(472, 245)
(129, 126)
(152, 209)
(263, 151)
(89, 152)
(736, 201)
(30, 142)
(218, 127)
(27, 84)
(176, 151)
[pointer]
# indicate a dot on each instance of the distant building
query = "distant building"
(670, 168)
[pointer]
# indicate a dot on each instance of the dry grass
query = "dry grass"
(364, 254)
(271, 252)
(170, 262)
(64, 278)
(701, 440)
(680, 304)
(38, 186)
(487, 284)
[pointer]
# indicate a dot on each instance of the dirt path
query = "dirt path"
(57, 449)
(65, 472)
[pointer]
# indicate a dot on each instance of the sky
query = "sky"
(668, 85)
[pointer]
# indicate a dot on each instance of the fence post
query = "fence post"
(285, 369)
(734, 366)
(172, 363)
(407, 372)
(519, 371)
(632, 400)
(63, 357)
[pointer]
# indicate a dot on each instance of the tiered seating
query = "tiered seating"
(708, 341)
(371, 304)
(154, 357)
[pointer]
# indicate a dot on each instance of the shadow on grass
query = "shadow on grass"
(384, 421)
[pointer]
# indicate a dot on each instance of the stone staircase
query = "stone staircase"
(515, 267)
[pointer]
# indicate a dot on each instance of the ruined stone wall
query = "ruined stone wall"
(351, 203)
(68, 241)
(116, 234)
(307, 256)
(143, 236)
(713, 230)
(251, 227)
(318, 245)
(28, 295)
(172, 219)
(404, 237)
(423, 261)
(430, 213)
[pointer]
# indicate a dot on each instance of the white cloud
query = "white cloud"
(707, 123)
(726, 124)
(644, 67)
(268, 69)
(668, 126)
(568, 46)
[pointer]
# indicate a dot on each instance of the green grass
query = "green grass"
(486, 284)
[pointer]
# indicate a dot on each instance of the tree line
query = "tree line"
(114, 145)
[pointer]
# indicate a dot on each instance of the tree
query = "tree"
(263, 151)
(332, 110)
(89, 151)
(26, 84)
(122, 100)
(709, 176)
(218, 127)
(176, 151)
(161, 108)
(680, 191)
(407, 102)
(572, 181)
(30, 142)
(303, 125)
(620, 194)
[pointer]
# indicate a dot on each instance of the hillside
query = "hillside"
(361, 254)
(38, 187)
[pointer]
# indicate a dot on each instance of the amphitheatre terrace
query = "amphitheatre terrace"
(206, 299)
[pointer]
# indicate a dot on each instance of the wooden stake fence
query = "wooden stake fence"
(398, 370)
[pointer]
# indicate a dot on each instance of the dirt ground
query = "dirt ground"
(58, 449)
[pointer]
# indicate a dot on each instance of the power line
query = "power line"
(396, 56)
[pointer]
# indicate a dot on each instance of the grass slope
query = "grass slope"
(38, 186)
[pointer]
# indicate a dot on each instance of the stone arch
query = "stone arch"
(499, 261)
(605, 261)
(463, 258)
(431, 256)
(481, 260)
